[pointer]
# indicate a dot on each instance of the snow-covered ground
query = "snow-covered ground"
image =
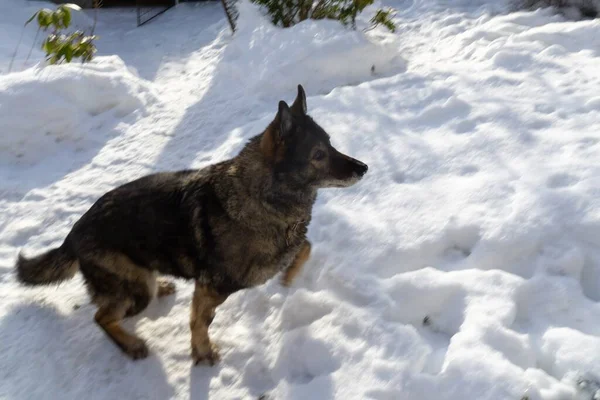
(466, 265)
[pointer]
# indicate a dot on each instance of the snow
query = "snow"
(70, 97)
(465, 265)
(331, 56)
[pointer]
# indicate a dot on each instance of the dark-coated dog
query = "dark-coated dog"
(228, 226)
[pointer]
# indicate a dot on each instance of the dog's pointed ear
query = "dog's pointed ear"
(281, 127)
(286, 121)
(299, 105)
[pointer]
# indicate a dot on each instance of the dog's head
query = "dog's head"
(301, 153)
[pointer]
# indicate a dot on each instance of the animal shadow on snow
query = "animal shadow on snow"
(47, 354)
(200, 378)
(142, 56)
(207, 125)
(236, 97)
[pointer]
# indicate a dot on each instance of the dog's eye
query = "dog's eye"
(319, 155)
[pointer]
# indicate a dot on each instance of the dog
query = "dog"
(229, 226)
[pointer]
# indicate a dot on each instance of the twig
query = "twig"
(95, 18)
(31, 49)
(16, 49)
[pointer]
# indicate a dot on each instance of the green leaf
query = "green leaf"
(66, 17)
(56, 20)
(45, 46)
(44, 18)
(71, 6)
(62, 51)
(78, 51)
(49, 45)
(384, 17)
(31, 18)
(68, 53)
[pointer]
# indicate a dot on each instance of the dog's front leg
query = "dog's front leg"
(204, 303)
(299, 261)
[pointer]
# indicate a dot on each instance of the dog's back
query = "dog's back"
(147, 220)
(133, 218)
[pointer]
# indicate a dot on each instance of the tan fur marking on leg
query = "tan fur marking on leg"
(123, 267)
(297, 264)
(204, 302)
(164, 287)
(108, 318)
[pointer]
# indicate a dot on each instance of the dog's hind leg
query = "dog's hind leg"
(204, 303)
(292, 271)
(120, 289)
(109, 317)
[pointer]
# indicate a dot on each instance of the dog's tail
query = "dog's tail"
(54, 266)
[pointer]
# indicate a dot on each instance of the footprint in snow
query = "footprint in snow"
(561, 180)
(588, 387)
(469, 170)
(587, 142)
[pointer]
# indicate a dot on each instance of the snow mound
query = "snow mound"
(321, 54)
(40, 108)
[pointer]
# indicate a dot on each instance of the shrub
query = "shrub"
(60, 46)
(289, 12)
(586, 8)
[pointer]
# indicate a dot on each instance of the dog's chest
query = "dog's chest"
(265, 254)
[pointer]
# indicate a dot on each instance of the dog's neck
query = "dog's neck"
(276, 196)
(295, 204)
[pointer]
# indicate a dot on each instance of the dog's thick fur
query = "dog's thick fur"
(228, 226)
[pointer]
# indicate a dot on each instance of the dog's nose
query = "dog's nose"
(361, 168)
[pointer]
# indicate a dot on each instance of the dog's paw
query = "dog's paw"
(137, 350)
(165, 288)
(208, 354)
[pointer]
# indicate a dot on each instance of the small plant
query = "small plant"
(59, 46)
(383, 17)
(287, 13)
(67, 47)
(587, 8)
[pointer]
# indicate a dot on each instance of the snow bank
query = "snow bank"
(45, 108)
(320, 54)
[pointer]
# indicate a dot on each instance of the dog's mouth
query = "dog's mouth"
(336, 183)
(345, 172)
